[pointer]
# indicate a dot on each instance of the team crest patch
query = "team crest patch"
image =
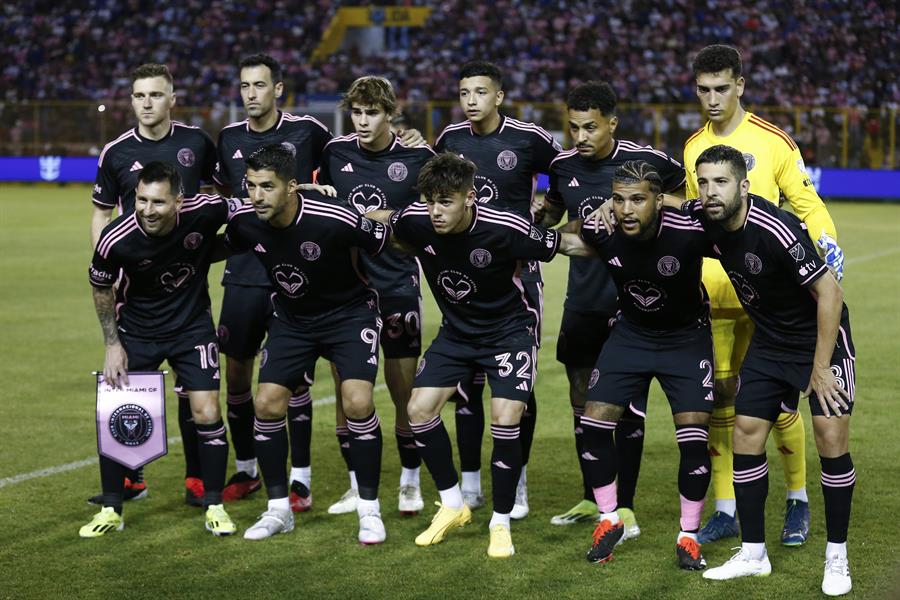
(507, 160)
(750, 161)
(753, 263)
(595, 377)
(223, 334)
(668, 266)
(193, 240)
(290, 148)
(397, 171)
(420, 368)
(186, 157)
(480, 258)
(131, 425)
(797, 252)
(310, 250)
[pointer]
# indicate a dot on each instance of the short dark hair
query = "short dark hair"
(477, 68)
(262, 60)
(274, 157)
(445, 174)
(593, 94)
(725, 154)
(371, 90)
(149, 70)
(636, 171)
(717, 57)
(157, 171)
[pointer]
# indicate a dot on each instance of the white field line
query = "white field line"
(78, 464)
(867, 257)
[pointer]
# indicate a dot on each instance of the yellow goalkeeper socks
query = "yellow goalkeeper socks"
(790, 437)
(721, 451)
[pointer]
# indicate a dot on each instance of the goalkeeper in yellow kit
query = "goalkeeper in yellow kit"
(774, 168)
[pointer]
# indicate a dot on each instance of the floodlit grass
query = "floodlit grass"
(51, 342)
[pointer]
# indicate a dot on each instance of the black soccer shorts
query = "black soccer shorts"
(245, 316)
(581, 338)
(402, 318)
(193, 354)
(682, 361)
(770, 383)
(510, 366)
(348, 338)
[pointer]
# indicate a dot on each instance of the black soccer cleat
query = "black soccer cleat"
(132, 491)
(689, 556)
(606, 537)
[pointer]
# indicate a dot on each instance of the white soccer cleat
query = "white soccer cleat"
(347, 503)
(473, 500)
(371, 528)
(520, 508)
(270, 523)
(740, 565)
(410, 500)
(836, 581)
(632, 529)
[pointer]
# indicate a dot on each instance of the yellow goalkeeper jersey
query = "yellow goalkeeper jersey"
(773, 164)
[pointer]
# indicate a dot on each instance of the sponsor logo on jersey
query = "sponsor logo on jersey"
(366, 197)
(507, 160)
(237, 154)
(807, 268)
(574, 183)
(668, 266)
(131, 425)
(430, 250)
(647, 297)
(348, 168)
(797, 252)
(290, 279)
(614, 261)
(176, 276)
(455, 285)
(745, 291)
(136, 167)
(310, 251)
(485, 190)
(750, 161)
(186, 157)
(753, 263)
(193, 240)
(397, 171)
(480, 258)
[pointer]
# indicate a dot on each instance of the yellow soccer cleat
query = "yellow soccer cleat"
(501, 545)
(105, 520)
(445, 520)
(218, 522)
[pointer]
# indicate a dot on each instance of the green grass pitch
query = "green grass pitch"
(51, 342)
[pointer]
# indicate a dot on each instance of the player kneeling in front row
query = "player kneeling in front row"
(471, 256)
(654, 256)
(161, 311)
(801, 342)
(323, 307)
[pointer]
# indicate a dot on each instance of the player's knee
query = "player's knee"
(205, 409)
(419, 409)
(832, 436)
(357, 400)
(239, 373)
(603, 411)
(506, 412)
(750, 435)
(269, 405)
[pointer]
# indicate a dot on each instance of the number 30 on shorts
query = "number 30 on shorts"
(507, 364)
(399, 324)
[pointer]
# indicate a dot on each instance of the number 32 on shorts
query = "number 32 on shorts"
(507, 364)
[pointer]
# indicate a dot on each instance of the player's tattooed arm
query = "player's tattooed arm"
(571, 244)
(830, 303)
(115, 364)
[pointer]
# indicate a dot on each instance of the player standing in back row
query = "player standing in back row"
(509, 154)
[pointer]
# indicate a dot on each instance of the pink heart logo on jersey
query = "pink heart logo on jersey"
(645, 297)
(288, 281)
(364, 204)
(456, 289)
(172, 281)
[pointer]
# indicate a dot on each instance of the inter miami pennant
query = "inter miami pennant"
(131, 420)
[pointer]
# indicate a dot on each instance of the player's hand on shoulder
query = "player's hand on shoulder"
(115, 365)
(832, 253)
(602, 217)
(832, 397)
(325, 190)
(411, 137)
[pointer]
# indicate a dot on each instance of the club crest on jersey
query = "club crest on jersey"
(753, 263)
(223, 334)
(747, 292)
(595, 377)
(397, 171)
(668, 266)
(193, 240)
(507, 160)
(290, 279)
(176, 276)
(131, 425)
(366, 198)
(750, 161)
(485, 190)
(310, 251)
(186, 157)
(535, 234)
(290, 148)
(648, 297)
(797, 252)
(455, 285)
(479, 257)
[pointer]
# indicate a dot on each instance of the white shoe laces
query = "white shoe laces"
(836, 565)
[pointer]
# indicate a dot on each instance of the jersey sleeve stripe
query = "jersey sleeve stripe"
(120, 232)
(342, 138)
(812, 276)
(511, 225)
(235, 124)
(694, 136)
(243, 210)
(767, 225)
(346, 212)
(449, 128)
(632, 147)
(773, 130)
(564, 155)
(106, 148)
(498, 214)
(530, 127)
(785, 230)
(337, 217)
(297, 118)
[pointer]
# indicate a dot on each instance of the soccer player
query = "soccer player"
(509, 155)
(323, 307)
(191, 151)
(654, 256)
(246, 305)
(471, 256)
(580, 178)
(372, 169)
(161, 311)
(801, 343)
(775, 167)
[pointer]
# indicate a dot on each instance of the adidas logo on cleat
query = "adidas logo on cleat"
(501, 465)
(261, 438)
(589, 456)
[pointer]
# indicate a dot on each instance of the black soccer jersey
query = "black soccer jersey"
(474, 275)
(304, 135)
(772, 263)
(313, 263)
(163, 286)
(188, 148)
(576, 182)
(508, 160)
(658, 280)
(367, 181)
